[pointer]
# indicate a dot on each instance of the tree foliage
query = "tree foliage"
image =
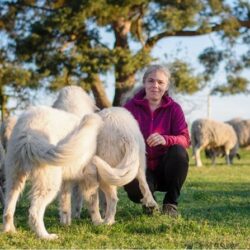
(61, 42)
(15, 80)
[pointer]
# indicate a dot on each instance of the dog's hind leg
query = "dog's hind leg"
(76, 201)
(65, 203)
(90, 191)
(46, 183)
(91, 196)
(111, 200)
(102, 202)
(148, 199)
(14, 185)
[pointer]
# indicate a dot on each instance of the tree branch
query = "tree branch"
(99, 92)
(32, 6)
(244, 23)
(199, 32)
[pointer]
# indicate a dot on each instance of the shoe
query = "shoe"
(170, 210)
(148, 210)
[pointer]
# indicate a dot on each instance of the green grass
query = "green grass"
(215, 208)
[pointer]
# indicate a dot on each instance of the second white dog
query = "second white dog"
(120, 158)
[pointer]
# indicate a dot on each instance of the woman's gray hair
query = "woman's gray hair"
(156, 67)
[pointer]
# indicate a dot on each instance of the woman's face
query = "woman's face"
(156, 84)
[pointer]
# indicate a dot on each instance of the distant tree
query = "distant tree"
(15, 81)
(64, 40)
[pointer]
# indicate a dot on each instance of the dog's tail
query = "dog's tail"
(124, 172)
(77, 146)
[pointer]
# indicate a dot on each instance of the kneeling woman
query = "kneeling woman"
(165, 131)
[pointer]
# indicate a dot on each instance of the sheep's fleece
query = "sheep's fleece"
(206, 133)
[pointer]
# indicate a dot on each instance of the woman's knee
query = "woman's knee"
(178, 152)
(133, 191)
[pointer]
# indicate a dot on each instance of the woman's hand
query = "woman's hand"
(155, 140)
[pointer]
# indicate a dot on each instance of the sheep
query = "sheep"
(207, 134)
(242, 129)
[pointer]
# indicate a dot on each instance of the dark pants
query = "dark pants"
(168, 177)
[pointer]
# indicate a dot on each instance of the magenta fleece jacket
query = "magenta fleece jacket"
(168, 120)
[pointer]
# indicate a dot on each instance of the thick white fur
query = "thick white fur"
(120, 157)
(5, 133)
(6, 130)
(74, 99)
(48, 146)
(121, 145)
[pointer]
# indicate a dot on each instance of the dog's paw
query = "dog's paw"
(76, 215)
(156, 208)
(150, 203)
(65, 220)
(109, 222)
(50, 237)
(9, 229)
(8, 224)
(97, 222)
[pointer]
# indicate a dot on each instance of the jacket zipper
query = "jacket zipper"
(151, 128)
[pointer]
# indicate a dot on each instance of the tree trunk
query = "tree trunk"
(3, 103)
(123, 81)
(99, 93)
(122, 86)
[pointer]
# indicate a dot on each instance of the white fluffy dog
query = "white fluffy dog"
(74, 99)
(48, 146)
(120, 158)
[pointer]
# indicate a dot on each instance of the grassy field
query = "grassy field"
(214, 206)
